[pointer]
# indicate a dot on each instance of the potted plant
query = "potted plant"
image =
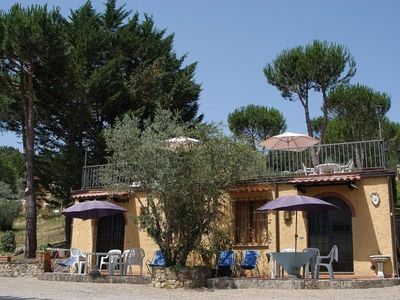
(7, 246)
(43, 256)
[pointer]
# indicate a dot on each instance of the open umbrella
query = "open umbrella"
(289, 141)
(180, 141)
(92, 210)
(297, 203)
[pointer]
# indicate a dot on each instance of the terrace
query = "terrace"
(326, 159)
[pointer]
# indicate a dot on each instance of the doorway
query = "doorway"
(329, 228)
(110, 233)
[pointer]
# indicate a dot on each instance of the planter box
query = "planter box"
(5, 258)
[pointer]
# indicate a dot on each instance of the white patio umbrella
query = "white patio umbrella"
(289, 141)
(180, 141)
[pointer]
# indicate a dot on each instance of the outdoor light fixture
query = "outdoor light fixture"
(287, 215)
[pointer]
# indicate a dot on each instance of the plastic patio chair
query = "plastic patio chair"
(250, 261)
(74, 260)
(347, 167)
(133, 257)
(226, 261)
(157, 262)
(111, 260)
(308, 171)
(332, 256)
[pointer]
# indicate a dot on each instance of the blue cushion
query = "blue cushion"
(158, 260)
(250, 260)
(226, 259)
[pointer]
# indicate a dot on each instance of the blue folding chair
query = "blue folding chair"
(157, 262)
(250, 261)
(226, 261)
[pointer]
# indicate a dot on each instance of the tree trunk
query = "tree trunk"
(325, 116)
(30, 199)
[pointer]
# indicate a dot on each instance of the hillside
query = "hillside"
(48, 230)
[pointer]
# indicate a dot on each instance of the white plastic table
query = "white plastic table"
(97, 255)
(291, 262)
(327, 168)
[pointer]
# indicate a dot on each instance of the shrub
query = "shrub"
(9, 211)
(7, 242)
(48, 213)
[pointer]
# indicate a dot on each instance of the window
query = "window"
(251, 226)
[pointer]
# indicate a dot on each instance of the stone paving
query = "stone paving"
(32, 289)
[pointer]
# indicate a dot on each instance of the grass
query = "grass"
(48, 230)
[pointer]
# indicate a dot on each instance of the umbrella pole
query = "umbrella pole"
(295, 235)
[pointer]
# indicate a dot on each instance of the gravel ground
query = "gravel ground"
(31, 288)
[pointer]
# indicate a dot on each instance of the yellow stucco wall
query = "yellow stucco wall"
(82, 235)
(84, 232)
(371, 225)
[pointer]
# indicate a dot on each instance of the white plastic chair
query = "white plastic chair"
(347, 167)
(332, 256)
(112, 257)
(307, 171)
(75, 257)
(133, 257)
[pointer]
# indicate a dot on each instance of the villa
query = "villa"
(352, 176)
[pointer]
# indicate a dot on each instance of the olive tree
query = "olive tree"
(185, 183)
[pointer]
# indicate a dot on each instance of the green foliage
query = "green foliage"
(48, 213)
(44, 246)
(11, 166)
(397, 201)
(355, 105)
(118, 63)
(9, 206)
(256, 123)
(7, 242)
(185, 183)
(217, 239)
(318, 66)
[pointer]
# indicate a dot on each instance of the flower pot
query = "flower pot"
(44, 260)
(5, 258)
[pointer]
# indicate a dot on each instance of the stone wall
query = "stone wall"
(195, 277)
(15, 269)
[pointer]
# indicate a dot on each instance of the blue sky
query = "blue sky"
(233, 40)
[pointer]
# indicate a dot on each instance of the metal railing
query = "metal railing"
(95, 176)
(340, 157)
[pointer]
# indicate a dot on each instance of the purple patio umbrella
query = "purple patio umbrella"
(93, 210)
(297, 203)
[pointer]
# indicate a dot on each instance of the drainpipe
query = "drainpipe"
(393, 229)
(277, 229)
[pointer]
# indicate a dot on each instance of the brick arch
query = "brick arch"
(340, 197)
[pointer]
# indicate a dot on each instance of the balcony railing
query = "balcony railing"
(95, 176)
(327, 158)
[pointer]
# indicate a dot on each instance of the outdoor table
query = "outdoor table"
(327, 168)
(291, 262)
(97, 255)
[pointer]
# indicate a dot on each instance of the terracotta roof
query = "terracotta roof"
(250, 188)
(92, 194)
(326, 178)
